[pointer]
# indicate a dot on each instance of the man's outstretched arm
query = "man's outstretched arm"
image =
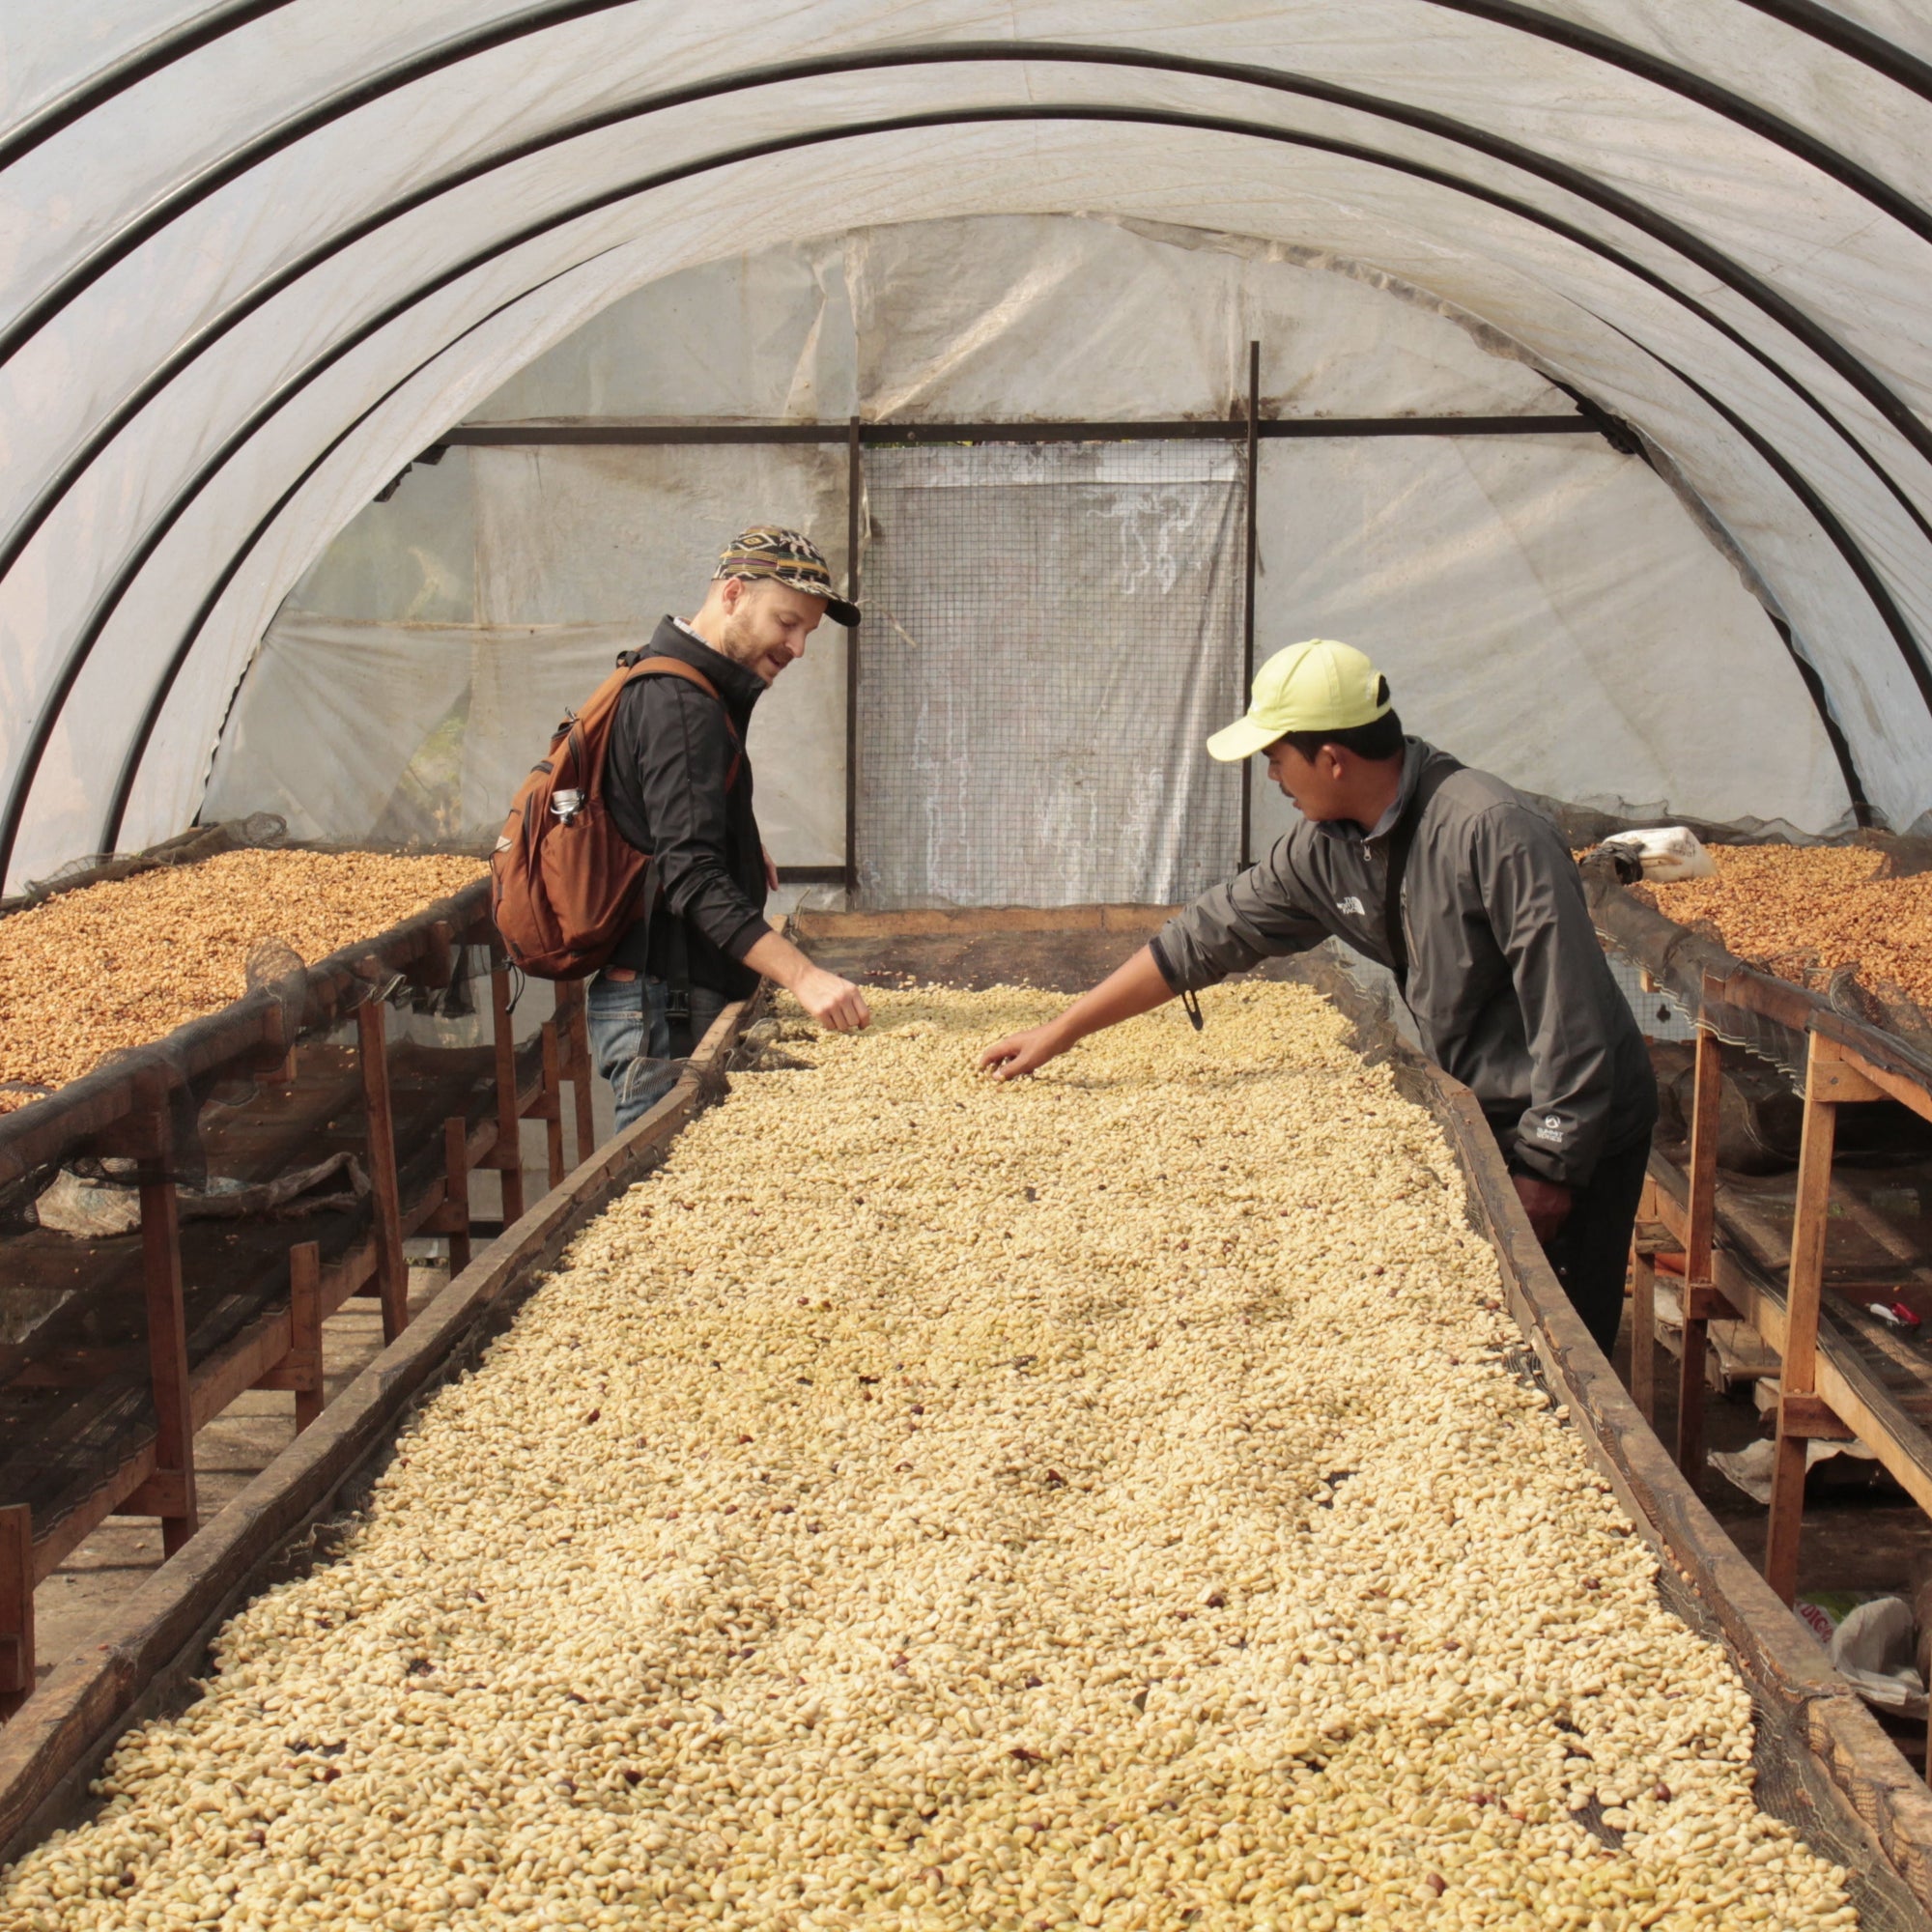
(1137, 987)
(831, 1001)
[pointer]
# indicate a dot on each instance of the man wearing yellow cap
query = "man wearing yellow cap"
(1445, 876)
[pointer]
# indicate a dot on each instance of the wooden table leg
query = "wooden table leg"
(305, 1326)
(171, 1488)
(1702, 1214)
(1644, 1332)
(1798, 1371)
(576, 1025)
(16, 1607)
(456, 1190)
(553, 1102)
(509, 1156)
(392, 1275)
(1690, 1392)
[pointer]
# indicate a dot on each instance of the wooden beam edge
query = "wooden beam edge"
(1880, 1791)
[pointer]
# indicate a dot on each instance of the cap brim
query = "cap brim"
(1241, 739)
(843, 613)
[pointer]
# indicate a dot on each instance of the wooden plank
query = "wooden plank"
(578, 1034)
(507, 1156)
(54, 1743)
(552, 1111)
(937, 922)
(1901, 1445)
(456, 1190)
(1644, 1332)
(240, 1365)
(16, 1607)
(1799, 1353)
(1706, 1108)
(167, 1342)
(1703, 1173)
(164, 1493)
(1877, 1787)
(1809, 1416)
(392, 1274)
(300, 1368)
(1774, 1646)
(249, 1359)
(53, 1545)
(1888, 1798)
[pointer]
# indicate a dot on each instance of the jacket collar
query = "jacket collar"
(1415, 756)
(739, 687)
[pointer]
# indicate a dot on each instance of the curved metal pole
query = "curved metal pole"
(130, 71)
(1847, 37)
(9, 826)
(1508, 13)
(1613, 201)
(151, 718)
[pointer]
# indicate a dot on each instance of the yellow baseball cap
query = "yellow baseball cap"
(1314, 686)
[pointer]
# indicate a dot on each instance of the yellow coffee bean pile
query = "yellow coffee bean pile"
(1770, 903)
(123, 963)
(1096, 1501)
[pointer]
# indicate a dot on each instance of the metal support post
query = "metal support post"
(854, 494)
(1254, 478)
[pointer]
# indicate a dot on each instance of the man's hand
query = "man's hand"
(770, 870)
(1547, 1203)
(831, 1001)
(1023, 1053)
(1136, 987)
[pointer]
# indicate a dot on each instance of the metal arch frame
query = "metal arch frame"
(24, 777)
(130, 71)
(1804, 15)
(1511, 154)
(1847, 37)
(138, 749)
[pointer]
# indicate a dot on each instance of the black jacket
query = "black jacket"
(1509, 987)
(671, 753)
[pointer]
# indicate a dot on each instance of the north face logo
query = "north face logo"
(1353, 905)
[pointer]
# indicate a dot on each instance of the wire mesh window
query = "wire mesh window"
(1051, 632)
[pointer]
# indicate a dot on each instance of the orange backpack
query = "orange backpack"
(566, 884)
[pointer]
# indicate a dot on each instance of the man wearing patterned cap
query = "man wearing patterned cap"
(679, 786)
(1445, 876)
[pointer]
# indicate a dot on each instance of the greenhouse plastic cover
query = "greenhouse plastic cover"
(260, 255)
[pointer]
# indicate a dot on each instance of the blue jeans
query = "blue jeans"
(631, 1039)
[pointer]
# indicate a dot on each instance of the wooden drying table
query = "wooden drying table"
(129, 1345)
(1839, 1780)
(1799, 1257)
(57, 1739)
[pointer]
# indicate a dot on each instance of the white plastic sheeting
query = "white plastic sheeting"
(1710, 219)
(1504, 581)
(360, 719)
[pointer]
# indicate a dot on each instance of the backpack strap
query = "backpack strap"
(677, 668)
(1401, 837)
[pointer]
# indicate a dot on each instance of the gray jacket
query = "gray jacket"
(1507, 983)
